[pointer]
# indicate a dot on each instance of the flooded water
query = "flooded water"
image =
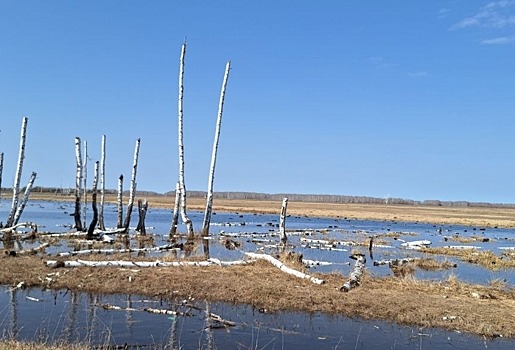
(53, 316)
(61, 315)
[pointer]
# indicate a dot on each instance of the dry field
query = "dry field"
(470, 216)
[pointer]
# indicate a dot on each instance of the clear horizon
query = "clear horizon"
(407, 100)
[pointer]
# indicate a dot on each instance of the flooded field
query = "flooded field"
(325, 245)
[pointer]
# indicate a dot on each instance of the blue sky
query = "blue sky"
(409, 99)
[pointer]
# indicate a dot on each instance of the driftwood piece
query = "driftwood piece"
(394, 262)
(209, 200)
(19, 168)
(78, 185)
(31, 251)
(118, 251)
(416, 244)
(355, 276)
(132, 191)
(284, 268)
(31, 225)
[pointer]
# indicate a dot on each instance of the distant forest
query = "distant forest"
(320, 198)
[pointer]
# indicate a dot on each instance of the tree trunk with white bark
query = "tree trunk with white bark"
(120, 202)
(355, 276)
(101, 224)
(176, 209)
(282, 222)
(25, 199)
(94, 221)
(78, 185)
(185, 219)
(85, 182)
(209, 203)
(132, 192)
(19, 168)
(1, 171)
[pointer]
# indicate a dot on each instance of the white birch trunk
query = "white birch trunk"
(284, 268)
(355, 276)
(85, 182)
(101, 224)
(78, 185)
(17, 179)
(132, 192)
(1, 172)
(185, 219)
(122, 263)
(209, 203)
(282, 223)
(176, 209)
(120, 202)
(25, 199)
(94, 221)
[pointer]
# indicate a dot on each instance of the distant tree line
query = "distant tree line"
(316, 198)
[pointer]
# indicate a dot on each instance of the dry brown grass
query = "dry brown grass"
(463, 239)
(485, 258)
(17, 345)
(401, 300)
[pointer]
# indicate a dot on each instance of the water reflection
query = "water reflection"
(116, 320)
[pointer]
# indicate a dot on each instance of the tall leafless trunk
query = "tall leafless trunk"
(78, 184)
(176, 209)
(185, 219)
(101, 223)
(17, 179)
(120, 202)
(142, 211)
(209, 203)
(94, 221)
(1, 171)
(25, 199)
(132, 191)
(85, 182)
(282, 222)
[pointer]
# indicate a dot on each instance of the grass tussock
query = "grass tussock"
(485, 258)
(463, 239)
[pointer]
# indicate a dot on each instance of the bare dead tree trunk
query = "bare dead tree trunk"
(132, 191)
(78, 183)
(17, 179)
(185, 219)
(25, 199)
(142, 210)
(176, 209)
(120, 202)
(85, 182)
(1, 171)
(94, 221)
(101, 223)
(209, 203)
(282, 224)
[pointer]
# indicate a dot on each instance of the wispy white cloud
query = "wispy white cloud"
(495, 14)
(380, 62)
(443, 13)
(499, 41)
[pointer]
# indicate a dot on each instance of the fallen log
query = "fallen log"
(394, 262)
(31, 225)
(27, 251)
(283, 267)
(115, 251)
(122, 263)
(355, 276)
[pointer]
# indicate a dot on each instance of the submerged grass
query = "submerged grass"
(485, 258)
